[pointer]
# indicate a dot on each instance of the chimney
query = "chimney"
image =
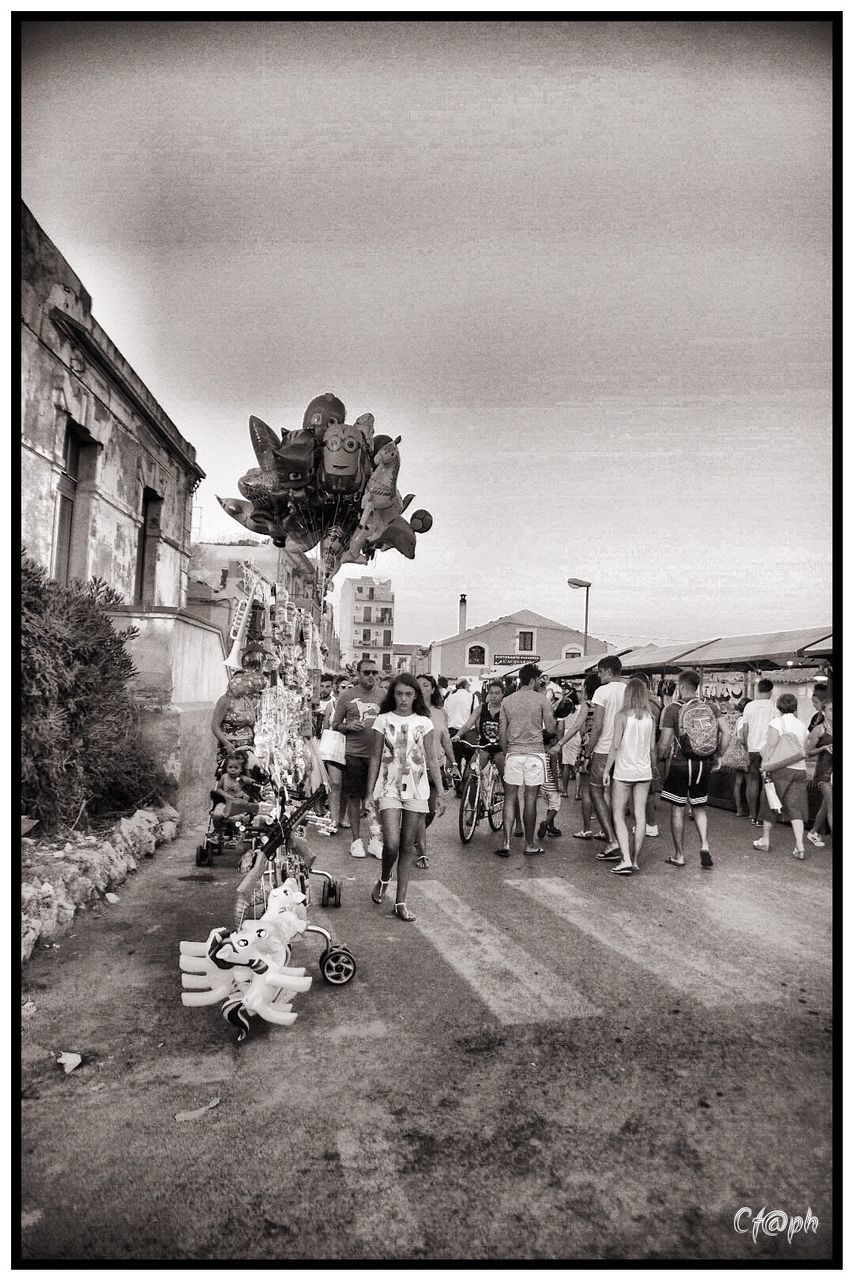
(463, 612)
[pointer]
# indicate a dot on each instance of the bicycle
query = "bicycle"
(482, 793)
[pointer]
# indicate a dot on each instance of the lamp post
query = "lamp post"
(576, 584)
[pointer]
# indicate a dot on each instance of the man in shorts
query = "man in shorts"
(606, 704)
(353, 716)
(686, 780)
(525, 717)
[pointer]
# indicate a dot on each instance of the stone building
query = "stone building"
(507, 643)
(107, 491)
(367, 621)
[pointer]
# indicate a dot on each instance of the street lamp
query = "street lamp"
(576, 584)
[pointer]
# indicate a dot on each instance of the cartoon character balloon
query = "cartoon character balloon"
(329, 483)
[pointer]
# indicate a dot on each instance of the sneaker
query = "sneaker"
(374, 847)
(815, 839)
(357, 849)
(762, 845)
(651, 831)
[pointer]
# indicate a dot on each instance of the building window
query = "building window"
(476, 656)
(525, 642)
(77, 464)
(386, 662)
(146, 552)
(386, 639)
(370, 593)
(572, 651)
(364, 655)
(359, 591)
(365, 635)
(367, 617)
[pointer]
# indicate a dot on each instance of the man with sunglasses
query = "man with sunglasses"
(353, 716)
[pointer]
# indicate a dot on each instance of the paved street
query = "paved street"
(552, 1062)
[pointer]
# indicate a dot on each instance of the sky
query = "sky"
(582, 268)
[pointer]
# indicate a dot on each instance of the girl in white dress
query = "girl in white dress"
(402, 765)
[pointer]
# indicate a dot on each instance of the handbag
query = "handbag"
(772, 797)
(735, 755)
(333, 746)
(787, 751)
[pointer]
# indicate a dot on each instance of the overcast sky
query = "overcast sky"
(582, 268)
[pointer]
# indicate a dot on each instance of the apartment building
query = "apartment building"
(366, 621)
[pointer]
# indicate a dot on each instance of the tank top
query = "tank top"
(489, 726)
(633, 760)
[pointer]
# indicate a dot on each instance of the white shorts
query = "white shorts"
(527, 771)
(410, 806)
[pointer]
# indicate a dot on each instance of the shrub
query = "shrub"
(81, 751)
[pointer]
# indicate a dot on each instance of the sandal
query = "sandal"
(799, 854)
(622, 871)
(402, 912)
(673, 862)
(609, 855)
(423, 862)
(582, 835)
(378, 892)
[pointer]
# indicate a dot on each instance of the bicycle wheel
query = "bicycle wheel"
(496, 804)
(468, 805)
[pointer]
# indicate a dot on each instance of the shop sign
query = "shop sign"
(515, 659)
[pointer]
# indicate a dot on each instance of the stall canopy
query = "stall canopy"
(654, 657)
(761, 652)
(823, 649)
(574, 668)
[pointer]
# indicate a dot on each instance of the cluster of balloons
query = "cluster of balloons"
(332, 483)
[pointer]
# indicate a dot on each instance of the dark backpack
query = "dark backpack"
(697, 729)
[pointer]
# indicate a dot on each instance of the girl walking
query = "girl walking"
(630, 759)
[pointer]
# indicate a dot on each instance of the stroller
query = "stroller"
(283, 856)
(241, 827)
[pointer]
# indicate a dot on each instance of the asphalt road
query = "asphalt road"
(550, 1063)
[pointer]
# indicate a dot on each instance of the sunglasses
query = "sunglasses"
(365, 672)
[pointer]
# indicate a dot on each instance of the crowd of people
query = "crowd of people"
(397, 743)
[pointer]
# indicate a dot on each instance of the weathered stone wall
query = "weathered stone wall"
(76, 376)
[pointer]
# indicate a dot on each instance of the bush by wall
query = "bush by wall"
(81, 752)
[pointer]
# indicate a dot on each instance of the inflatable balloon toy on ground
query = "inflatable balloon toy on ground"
(248, 968)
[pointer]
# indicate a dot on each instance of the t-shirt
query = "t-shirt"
(789, 723)
(523, 713)
(458, 707)
(403, 770)
(757, 716)
(610, 697)
(355, 704)
(669, 720)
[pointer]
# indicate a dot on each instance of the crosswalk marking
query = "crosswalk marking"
(776, 930)
(372, 1168)
(516, 987)
(690, 969)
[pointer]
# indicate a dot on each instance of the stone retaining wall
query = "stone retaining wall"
(58, 879)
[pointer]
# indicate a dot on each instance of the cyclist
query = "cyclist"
(446, 760)
(486, 720)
